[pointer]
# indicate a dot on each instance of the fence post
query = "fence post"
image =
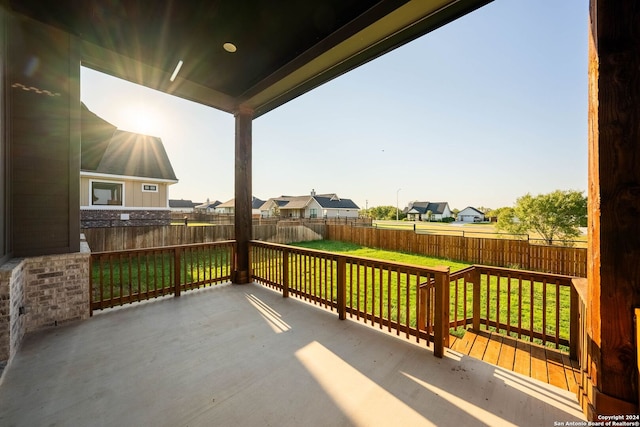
(476, 278)
(441, 321)
(342, 288)
(285, 273)
(176, 271)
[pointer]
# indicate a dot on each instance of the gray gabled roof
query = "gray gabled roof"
(175, 203)
(107, 150)
(326, 201)
(422, 208)
(334, 202)
(209, 204)
(255, 203)
(473, 209)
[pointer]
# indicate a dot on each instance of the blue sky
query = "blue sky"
(476, 113)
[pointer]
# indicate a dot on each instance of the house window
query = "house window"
(313, 213)
(106, 193)
(149, 188)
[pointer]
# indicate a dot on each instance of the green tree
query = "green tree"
(554, 216)
(383, 212)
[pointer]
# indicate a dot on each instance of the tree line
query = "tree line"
(554, 216)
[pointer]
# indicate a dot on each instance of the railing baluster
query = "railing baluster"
(389, 299)
(342, 288)
(285, 273)
(477, 277)
(544, 312)
(176, 279)
(407, 304)
(557, 306)
(519, 307)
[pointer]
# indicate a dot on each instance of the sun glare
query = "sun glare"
(142, 119)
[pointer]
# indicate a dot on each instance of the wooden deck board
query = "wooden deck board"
(555, 369)
(507, 353)
(541, 363)
(479, 346)
(464, 344)
(492, 353)
(522, 364)
(571, 373)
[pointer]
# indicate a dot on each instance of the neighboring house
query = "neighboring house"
(419, 211)
(470, 214)
(208, 206)
(311, 206)
(229, 207)
(124, 176)
(182, 205)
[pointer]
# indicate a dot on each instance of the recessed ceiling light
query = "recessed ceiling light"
(230, 47)
(175, 72)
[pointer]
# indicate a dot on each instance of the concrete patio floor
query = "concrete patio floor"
(241, 355)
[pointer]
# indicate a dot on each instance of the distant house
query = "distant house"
(420, 211)
(182, 205)
(470, 214)
(229, 207)
(124, 176)
(208, 206)
(310, 206)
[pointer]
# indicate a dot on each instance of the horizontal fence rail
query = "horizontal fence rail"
(122, 277)
(400, 298)
(537, 307)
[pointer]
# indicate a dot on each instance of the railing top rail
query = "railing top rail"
(580, 285)
(535, 274)
(459, 273)
(165, 248)
(334, 255)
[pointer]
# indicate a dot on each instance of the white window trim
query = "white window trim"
(91, 181)
(149, 191)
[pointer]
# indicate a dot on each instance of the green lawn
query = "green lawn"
(357, 250)
(501, 289)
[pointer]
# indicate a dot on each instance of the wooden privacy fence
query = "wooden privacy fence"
(409, 300)
(122, 277)
(518, 254)
(123, 238)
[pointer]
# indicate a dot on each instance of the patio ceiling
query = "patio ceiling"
(284, 48)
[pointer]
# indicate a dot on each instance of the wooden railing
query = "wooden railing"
(407, 299)
(533, 306)
(419, 302)
(121, 277)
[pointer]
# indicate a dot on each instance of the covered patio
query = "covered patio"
(239, 352)
(243, 355)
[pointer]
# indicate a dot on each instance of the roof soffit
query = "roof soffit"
(286, 52)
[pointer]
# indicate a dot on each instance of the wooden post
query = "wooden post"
(636, 320)
(285, 273)
(243, 193)
(614, 203)
(574, 319)
(342, 288)
(441, 321)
